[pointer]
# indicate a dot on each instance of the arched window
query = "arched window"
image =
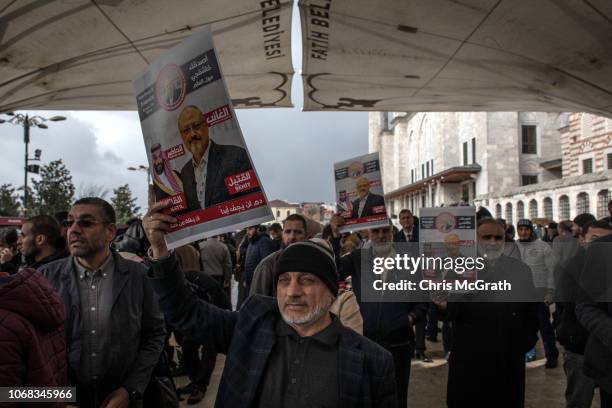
(603, 197)
(548, 208)
(520, 210)
(498, 211)
(564, 208)
(509, 218)
(582, 203)
(533, 209)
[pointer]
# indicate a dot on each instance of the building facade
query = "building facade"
(517, 164)
(282, 209)
(319, 212)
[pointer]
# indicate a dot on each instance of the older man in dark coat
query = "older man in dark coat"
(491, 331)
(288, 351)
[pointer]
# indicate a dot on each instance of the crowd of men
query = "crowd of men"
(87, 304)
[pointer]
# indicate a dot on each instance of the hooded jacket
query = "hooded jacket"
(32, 334)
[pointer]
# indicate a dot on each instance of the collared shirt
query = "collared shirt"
(407, 234)
(199, 170)
(302, 371)
(96, 293)
(362, 202)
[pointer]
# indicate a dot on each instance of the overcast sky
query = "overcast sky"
(293, 151)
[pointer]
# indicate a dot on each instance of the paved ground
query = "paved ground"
(544, 388)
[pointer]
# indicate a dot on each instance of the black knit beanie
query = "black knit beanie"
(307, 256)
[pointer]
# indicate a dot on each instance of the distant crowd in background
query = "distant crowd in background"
(80, 305)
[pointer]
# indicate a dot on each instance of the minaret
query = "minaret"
(377, 122)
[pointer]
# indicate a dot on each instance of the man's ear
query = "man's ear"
(40, 239)
(112, 230)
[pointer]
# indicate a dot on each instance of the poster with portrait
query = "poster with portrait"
(448, 232)
(359, 194)
(197, 155)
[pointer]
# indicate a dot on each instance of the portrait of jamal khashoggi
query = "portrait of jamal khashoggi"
(203, 176)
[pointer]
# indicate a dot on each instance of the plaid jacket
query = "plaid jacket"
(366, 373)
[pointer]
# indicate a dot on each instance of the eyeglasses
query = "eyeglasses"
(80, 223)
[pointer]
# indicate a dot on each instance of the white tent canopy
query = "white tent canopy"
(469, 55)
(83, 54)
(391, 55)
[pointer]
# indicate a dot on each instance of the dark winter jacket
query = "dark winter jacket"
(491, 332)
(260, 246)
(570, 333)
(137, 328)
(365, 371)
(387, 323)
(208, 289)
(594, 311)
(11, 267)
(31, 333)
(61, 254)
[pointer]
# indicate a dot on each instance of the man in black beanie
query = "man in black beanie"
(288, 351)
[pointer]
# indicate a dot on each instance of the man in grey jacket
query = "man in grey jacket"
(115, 331)
(216, 261)
(539, 257)
(294, 230)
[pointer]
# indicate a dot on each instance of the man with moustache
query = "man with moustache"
(204, 175)
(288, 351)
(115, 332)
(491, 331)
(367, 203)
(409, 231)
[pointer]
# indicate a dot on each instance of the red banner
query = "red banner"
(241, 182)
(370, 218)
(345, 214)
(179, 203)
(175, 151)
(16, 221)
(226, 209)
(218, 115)
(379, 209)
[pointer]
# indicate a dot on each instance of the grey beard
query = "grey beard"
(313, 316)
(492, 255)
(382, 249)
